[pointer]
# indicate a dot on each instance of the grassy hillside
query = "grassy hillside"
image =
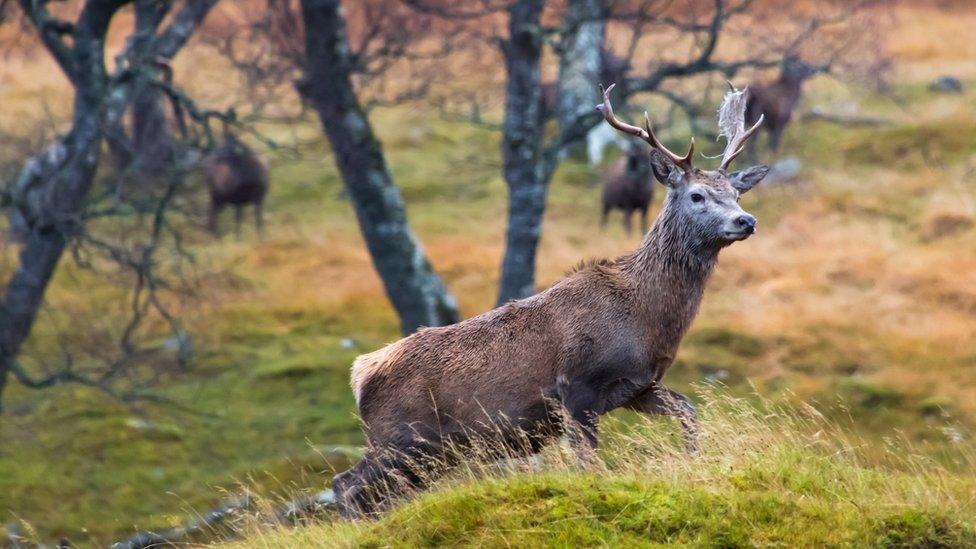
(763, 478)
(858, 295)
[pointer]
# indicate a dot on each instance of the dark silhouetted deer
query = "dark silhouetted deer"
(776, 100)
(235, 176)
(601, 338)
(627, 187)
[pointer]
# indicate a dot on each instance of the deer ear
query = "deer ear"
(664, 169)
(743, 180)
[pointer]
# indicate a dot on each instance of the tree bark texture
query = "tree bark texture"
(522, 149)
(416, 291)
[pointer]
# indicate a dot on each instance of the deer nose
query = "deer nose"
(747, 223)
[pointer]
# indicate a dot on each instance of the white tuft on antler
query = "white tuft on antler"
(732, 124)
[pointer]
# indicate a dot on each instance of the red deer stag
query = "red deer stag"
(235, 176)
(601, 338)
(776, 100)
(627, 187)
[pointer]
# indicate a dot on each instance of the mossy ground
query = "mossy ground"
(856, 295)
(761, 479)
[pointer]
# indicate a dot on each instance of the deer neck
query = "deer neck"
(791, 86)
(669, 272)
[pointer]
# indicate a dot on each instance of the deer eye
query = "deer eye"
(697, 197)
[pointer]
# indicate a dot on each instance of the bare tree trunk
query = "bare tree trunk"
(522, 148)
(149, 143)
(580, 61)
(417, 293)
(55, 213)
(152, 140)
(530, 161)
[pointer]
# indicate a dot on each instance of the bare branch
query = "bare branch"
(184, 23)
(51, 30)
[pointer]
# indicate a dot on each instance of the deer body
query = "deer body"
(600, 339)
(628, 187)
(235, 176)
(777, 100)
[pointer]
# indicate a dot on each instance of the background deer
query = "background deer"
(601, 338)
(235, 176)
(627, 187)
(776, 100)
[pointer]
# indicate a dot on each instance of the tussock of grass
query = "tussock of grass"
(765, 476)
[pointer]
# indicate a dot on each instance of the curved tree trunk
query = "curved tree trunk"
(147, 144)
(52, 189)
(153, 143)
(417, 293)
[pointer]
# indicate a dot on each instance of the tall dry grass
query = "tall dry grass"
(748, 447)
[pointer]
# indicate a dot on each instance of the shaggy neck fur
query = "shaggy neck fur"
(670, 269)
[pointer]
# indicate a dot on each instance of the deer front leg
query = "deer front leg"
(581, 403)
(238, 219)
(259, 218)
(212, 216)
(658, 399)
(775, 137)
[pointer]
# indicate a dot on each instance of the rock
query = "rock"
(347, 343)
(868, 394)
(307, 507)
(14, 535)
(946, 84)
(350, 452)
(155, 431)
(784, 171)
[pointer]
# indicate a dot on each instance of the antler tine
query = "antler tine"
(732, 125)
(615, 122)
(683, 162)
(646, 133)
(727, 160)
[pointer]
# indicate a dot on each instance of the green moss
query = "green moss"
(914, 528)
(247, 411)
(727, 339)
(935, 406)
(911, 146)
(562, 510)
(866, 394)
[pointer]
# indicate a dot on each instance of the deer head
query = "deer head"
(704, 203)
(796, 70)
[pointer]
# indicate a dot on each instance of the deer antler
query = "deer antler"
(732, 124)
(645, 133)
